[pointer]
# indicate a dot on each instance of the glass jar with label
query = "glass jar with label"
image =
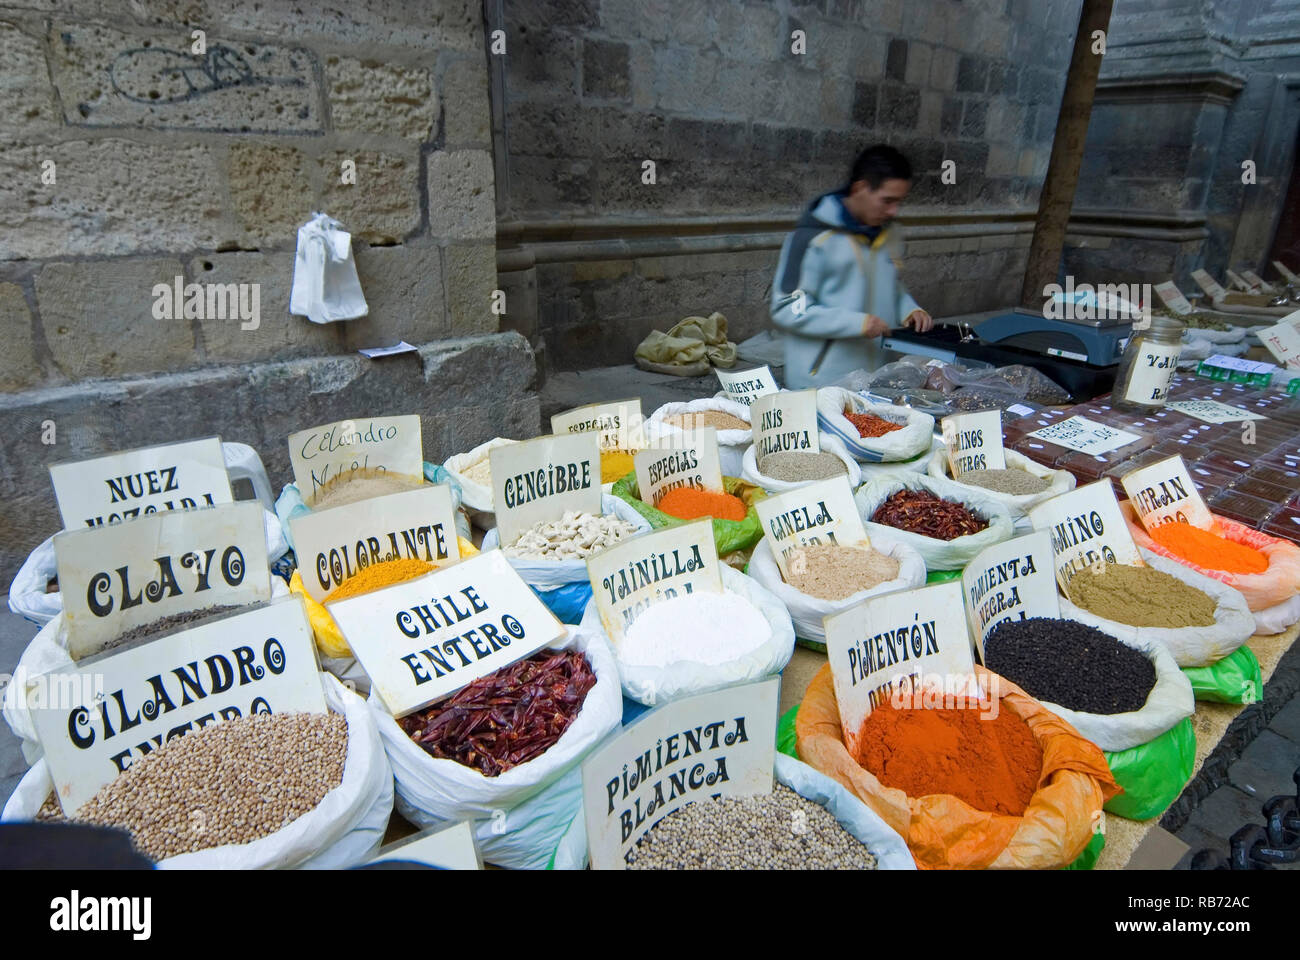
(1148, 365)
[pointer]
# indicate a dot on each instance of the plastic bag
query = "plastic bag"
(806, 612)
(344, 830)
(476, 497)
(1275, 619)
(731, 443)
(943, 832)
(750, 474)
(899, 375)
(917, 465)
(904, 444)
(1038, 387)
(1236, 678)
(730, 536)
(938, 554)
(325, 284)
(1154, 773)
(1018, 505)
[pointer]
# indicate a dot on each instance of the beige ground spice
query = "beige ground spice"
(706, 418)
(1141, 597)
(361, 486)
(831, 572)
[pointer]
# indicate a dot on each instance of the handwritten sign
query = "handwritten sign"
(124, 575)
(538, 480)
(326, 453)
(1087, 436)
(1086, 527)
(686, 459)
(446, 848)
(132, 483)
(334, 545)
(1207, 283)
(1283, 340)
(747, 386)
(716, 744)
(925, 639)
(1173, 297)
(1164, 493)
(1212, 411)
(619, 424)
(785, 422)
(94, 722)
(1238, 282)
(974, 441)
(1256, 281)
(1287, 275)
(816, 513)
(629, 578)
(1012, 580)
(425, 638)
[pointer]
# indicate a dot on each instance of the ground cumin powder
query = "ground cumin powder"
(1141, 597)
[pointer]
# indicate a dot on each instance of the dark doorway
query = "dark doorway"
(1286, 242)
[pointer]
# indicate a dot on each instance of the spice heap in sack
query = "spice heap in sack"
(1141, 597)
(377, 575)
(688, 503)
(574, 536)
(833, 572)
(706, 418)
(615, 464)
(249, 777)
(705, 628)
(921, 512)
(362, 485)
(869, 425)
(1010, 480)
(1209, 550)
(751, 833)
(793, 467)
(480, 473)
(188, 620)
(509, 717)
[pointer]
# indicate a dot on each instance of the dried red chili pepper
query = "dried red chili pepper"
(871, 426)
(921, 512)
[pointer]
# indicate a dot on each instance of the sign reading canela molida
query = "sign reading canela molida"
(685, 459)
(874, 645)
(1012, 580)
(785, 422)
(334, 545)
(538, 480)
(124, 575)
(425, 638)
(1086, 527)
(1164, 493)
(630, 577)
(974, 441)
(619, 423)
(132, 483)
(816, 513)
(99, 717)
(746, 386)
(716, 744)
(321, 455)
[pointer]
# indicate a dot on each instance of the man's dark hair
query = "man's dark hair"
(877, 164)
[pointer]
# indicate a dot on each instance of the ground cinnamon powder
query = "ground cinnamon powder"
(991, 762)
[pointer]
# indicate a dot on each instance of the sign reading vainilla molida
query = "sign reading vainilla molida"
(540, 479)
(974, 441)
(628, 578)
(321, 455)
(1164, 493)
(1012, 580)
(118, 577)
(717, 744)
(1087, 528)
(619, 424)
(334, 545)
(261, 660)
(686, 459)
(785, 422)
(133, 483)
(425, 638)
(816, 513)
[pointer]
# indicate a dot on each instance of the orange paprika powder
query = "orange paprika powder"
(688, 503)
(1209, 550)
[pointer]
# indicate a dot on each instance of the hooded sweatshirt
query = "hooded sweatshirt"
(844, 270)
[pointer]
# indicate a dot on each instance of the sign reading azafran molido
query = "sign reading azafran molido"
(817, 513)
(261, 660)
(619, 424)
(539, 479)
(322, 455)
(1012, 580)
(1087, 528)
(425, 638)
(686, 459)
(716, 744)
(133, 483)
(1164, 493)
(124, 575)
(785, 422)
(334, 545)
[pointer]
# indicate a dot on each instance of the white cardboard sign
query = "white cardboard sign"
(132, 483)
(1238, 282)
(425, 638)
(539, 479)
(747, 385)
(1212, 411)
(1207, 283)
(97, 719)
(1283, 340)
(686, 459)
(1256, 281)
(1012, 580)
(816, 513)
(1086, 527)
(1164, 493)
(974, 441)
(1087, 436)
(1282, 268)
(447, 848)
(619, 423)
(1173, 297)
(124, 575)
(322, 454)
(716, 744)
(785, 422)
(334, 545)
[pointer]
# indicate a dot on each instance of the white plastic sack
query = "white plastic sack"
(732, 444)
(903, 444)
(1234, 334)
(476, 497)
(1018, 505)
(749, 468)
(431, 791)
(938, 554)
(1277, 618)
(325, 284)
(243, 463)
(807, 612)
(655, 685)
(1191, 646)
(552, 574)
(919, 464)
(344, 830)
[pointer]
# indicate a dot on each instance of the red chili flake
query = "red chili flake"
(921, 512)
(871, 426)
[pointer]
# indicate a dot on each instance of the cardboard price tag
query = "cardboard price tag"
(974, 441)
(446, 848)
(785, 422)
(717, 744)
(334, 545)
(816, 513)
(1086, 527)
(425, 638)
(1012, 580)
(538, 480)
(746, 386)
(1236, 281)
(1164, 493)
(1286, 274)
(925, 640)
(1173, 297)
(1087, 436)
(1207, 283)
(133, 483)
(1283, 340)
(628, 578)
(619, 424)
(323, 454)
(94, 721)
(1212, 411)
(1256, 281)
(124, 575)
(686, 459)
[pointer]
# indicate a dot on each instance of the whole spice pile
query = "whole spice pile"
(615, 465)
(229, 783)
(797, 467)
(706, 628)
(354, 487)
(921, 512)
(1071, 664)
(508, 717)
(869, 425)
(191, 618)
(832, 572)
(779, 831)
(1141, 597)
(1011, 480)
(687, 503)
(1209, 550)
(479, 472)
(574, 536)
(990, 764)
(378, 575)
(706, 418)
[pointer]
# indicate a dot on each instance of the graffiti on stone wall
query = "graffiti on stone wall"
(155, 75)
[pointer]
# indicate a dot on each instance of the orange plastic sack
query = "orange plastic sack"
(1275, 585)
(945, 833)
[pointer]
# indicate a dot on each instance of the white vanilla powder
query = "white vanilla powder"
(704, 628)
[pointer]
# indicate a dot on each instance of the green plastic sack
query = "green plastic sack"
(1153, 774)
(731, 536)
(785, 735)
(942, 576)
(1234, 679)
(1091, 854)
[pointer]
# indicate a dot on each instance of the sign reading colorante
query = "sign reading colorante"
(747, 385)
(1012, 580)
(974, 441)
(1164, 493)
(538, 480)
(816, 513)
(323, 454)
(686, 459)
(785, 422)
(1086, 527)
(619, 424)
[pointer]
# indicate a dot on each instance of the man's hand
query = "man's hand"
(919, 320)
(873, 326)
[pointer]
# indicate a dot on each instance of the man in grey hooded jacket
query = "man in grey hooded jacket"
(837, 288)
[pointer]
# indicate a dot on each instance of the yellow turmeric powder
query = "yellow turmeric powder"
(380, 575)
(615, 465)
